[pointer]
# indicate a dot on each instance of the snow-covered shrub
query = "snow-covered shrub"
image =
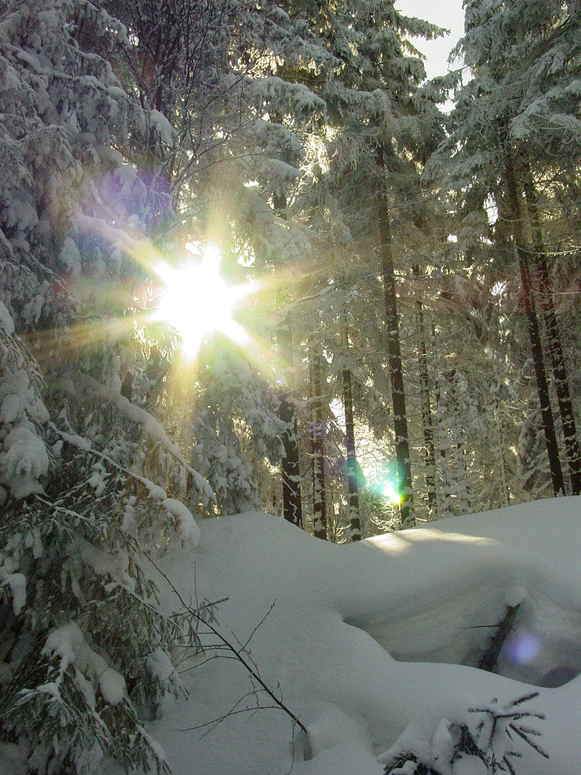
(460, 748)
(81, 635)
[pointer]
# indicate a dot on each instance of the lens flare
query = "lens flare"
(390, 493)
(522, 648)
(197, 301)
(389, 483)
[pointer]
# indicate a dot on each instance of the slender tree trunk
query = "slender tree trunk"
(440, 437)
(554, 346)
(292, 507)
(318, 449)
(290, 463)
(351, 461)
(400, 424)
(456, 466)
(533, 328)
(291, 474)
(501, 453)
(427, 419)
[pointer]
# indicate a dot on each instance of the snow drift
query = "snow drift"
(363, 640)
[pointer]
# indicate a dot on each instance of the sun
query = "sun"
(197, 301)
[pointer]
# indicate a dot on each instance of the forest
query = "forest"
(277, 312)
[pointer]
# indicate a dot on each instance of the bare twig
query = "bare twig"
(257, 626)
(229, 713)
(235, 652)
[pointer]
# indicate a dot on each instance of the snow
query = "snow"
(74, 439)
(112, 686)
(68, 644)
(11, 408)
(151, 426)
(330, 619)
(319, 622)
(6, 321)
(155, 492)
(343, 759)
(515, 595)
(162, 127)
(332, 727)
(24, 461)
(160, 665)
(104, 563)
(187, 528)
(17, 584)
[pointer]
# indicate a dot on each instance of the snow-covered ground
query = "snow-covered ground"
(364, 641)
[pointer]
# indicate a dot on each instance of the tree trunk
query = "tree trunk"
(351, 461)
(427, 419)
(501, 452)
(318, 450)
(554, 346)
(533, 328)
(455, 467)
(400, 424)
(290, 466)
(292, 507)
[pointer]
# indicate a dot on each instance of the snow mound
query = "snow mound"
(323, 622)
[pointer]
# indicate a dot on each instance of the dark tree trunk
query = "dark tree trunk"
(501, 452)
(533, 328)
(290, 463)
(291, 474)
(400, 424)
(440, 437)
(318, 449)
(554, 346)
(427, 419)
(352, 468)
(456, 469)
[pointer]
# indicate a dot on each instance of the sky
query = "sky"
(444, 13)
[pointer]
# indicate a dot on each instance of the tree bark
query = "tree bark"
(292, 508)
(400, 424)
(351, 459)
(427, 419)
(554, 346)
(318, 450)
(533, 327)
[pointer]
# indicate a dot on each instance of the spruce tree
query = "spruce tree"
(85, 652)
(520, 58)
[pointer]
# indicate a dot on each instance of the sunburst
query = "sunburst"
(197, 301)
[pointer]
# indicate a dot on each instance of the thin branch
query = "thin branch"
(218, 719)
(252, 671)
(257, 626)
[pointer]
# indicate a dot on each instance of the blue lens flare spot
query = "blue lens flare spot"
(522, 648)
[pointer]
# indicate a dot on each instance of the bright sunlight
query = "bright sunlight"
(390, 493)
(197, 301)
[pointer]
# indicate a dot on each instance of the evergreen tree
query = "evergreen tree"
(487, 153)
(84, 650)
